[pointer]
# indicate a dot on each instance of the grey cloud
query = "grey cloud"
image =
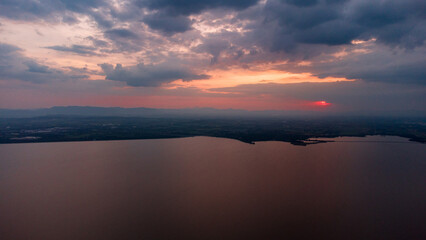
(83, 71)
(187, 7)
(142, 75)
(77, 49)
(69, 18)
(36, 67)
(82, 5)
(298, 28)
(15, 66)
(6, 49)
(380, 65)
(329, 33)
(400, 23)
(410, 73)
(53, 10)
(329, 22)
(124, 40)
(121, 33)
(302, 3)
(172, 16)
(213, 46)
(97, 42)
(369, 62)
(300, 18)
(23, 9)
(168, 24)
(102, 19)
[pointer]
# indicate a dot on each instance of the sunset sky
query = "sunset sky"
(326, 55)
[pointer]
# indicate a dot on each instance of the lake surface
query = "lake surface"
(213, 188)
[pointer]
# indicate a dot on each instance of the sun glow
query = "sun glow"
(322, 103)
(234, 77)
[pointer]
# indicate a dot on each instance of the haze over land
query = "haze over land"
(340, 56)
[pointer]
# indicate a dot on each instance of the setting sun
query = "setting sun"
(322, 103)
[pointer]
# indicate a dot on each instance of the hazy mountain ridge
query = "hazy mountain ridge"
(139, 112)
(91, 111)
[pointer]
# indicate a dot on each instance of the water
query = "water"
(213, 188)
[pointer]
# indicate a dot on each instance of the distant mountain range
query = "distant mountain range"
(139, 112)
(89, 111)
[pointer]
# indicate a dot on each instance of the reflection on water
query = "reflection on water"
(212, 188)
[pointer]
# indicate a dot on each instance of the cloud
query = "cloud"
(82, 5)
(302, 3)
(125, 40)
(6, 49)
(168, 24)
(15, 66)
(280, 25)
(171, 17)
(53, 10)
(36, 67)
(77, 49)
(412, 73)
(294, 23)
(121, 33)
(318, 31)
(378, 64)
(187, 7)
(214, 46)
(142, 75)
(98, 42)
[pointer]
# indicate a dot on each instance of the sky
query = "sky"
(364, 56)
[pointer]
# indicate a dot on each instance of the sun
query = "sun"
(322, 103)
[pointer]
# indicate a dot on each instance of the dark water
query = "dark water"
(212, 188)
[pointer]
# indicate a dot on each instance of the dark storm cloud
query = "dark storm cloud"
(288, 22)
(82, 5)
(15, 66)
(329, 33)
(397, 23)
(187, 7)
(400, 23)
(302, 3)
(168, 24)
(77, 49)
(172, 16)
(142, 75)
